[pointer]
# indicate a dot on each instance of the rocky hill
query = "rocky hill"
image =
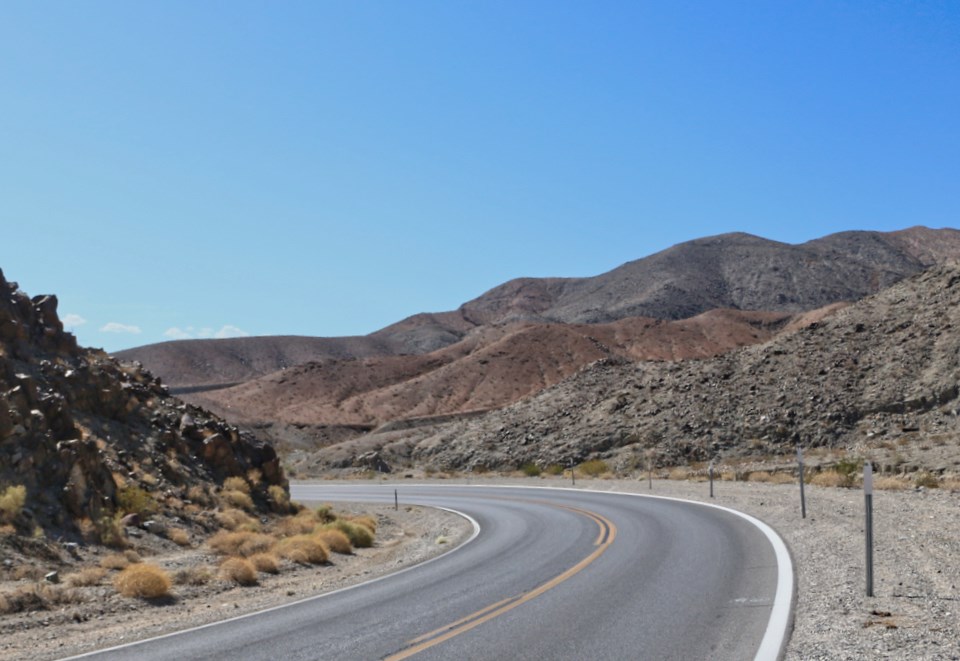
(878, 376)
(731, 271)
(80, 433)
(328, 401)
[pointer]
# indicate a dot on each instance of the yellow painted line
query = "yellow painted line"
(608, 533)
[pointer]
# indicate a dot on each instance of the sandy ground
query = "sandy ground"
(915, 613)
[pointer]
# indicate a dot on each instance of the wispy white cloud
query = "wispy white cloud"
(191, 333)
(71, 321)
(230, 331)
(177, 334)
(114, 327)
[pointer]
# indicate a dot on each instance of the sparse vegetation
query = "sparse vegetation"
(193, 576)
(926, 480)
(593, 467)
(234, 519)
(236, 484)
(336, 541)
(237, 499)
(241, 543)
(554, 469)
(240, 571)
(304, 549)
(132, 499)
(267, 563)
(530, 470)
(360, 536)
(85, 577)
(12, 501)
(178, 536)
(279, 498)
(144, 581)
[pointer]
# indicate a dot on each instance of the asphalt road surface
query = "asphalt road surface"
(551, 574)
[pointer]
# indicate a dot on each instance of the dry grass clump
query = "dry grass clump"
(236, 484)
(144, 581)
(268, 563)
(199, 495)
(178, 536)
(120, 560)
(193, 576)
(772, 478)
(305, 549)
(679, 473)
(364, 520)
(304, 523)
(28, 572)
(237, 499)
(234, 519)
(336, 540)
(242, 543)
(12, 500)
(279, 498)
(239, 570)
(86, 577)
(927, 481)
(891, 483)
(38, 596)
(951, 483)
(829, 479)
(594, 467)
(359, 535)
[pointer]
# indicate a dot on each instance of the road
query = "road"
(552, 574)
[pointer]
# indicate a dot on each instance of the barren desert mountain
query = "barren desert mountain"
(492, 367)
(730, 271)
(79, 433)
(877, 378)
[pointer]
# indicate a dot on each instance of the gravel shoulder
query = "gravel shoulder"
(914, 614)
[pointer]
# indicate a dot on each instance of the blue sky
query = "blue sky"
(174, 169)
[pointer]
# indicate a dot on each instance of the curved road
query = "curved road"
(552, 574)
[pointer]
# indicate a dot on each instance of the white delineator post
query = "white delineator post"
(868, 502)
(803, 498)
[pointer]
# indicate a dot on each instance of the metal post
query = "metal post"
(396, 501)
(803, 498)
(649, 473)
(711, 479)
(868, 502)
(573, 474)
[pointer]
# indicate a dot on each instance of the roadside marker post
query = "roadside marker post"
(803, 499)
(868, 503)
(396, 501)
(711, 479)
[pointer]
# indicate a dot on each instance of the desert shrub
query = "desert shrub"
(336, 540)
(178, 536)
(110, 531)
(241, 543)
(134, 500)
(365, 520)
(237, 499)
(239, 570)
(829, 478)
(890, 483)
(304, 549)
(199, 495)
(144, 581)
(236, 484)
(530, 469)
(593, 467)
(193, 576)
(554, 469)
(325, 513)
(360, 536)
(234, 519)
(268, 563)
(85, 577)
(927, 481)
(254, 476)
(132, 556)
(679, 473)
(848, 468)
(302, 524)
(771, 478)
(12, 500)
(114, 561)
(38, 596)
(279, 498)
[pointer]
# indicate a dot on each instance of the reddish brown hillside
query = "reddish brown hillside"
(491, 368)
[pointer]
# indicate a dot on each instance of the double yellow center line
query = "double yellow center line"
(608, 533)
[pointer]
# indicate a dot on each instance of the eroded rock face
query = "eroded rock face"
(76, 426)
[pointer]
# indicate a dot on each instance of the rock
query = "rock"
(52, 577)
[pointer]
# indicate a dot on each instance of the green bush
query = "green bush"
(554, 469)
(530, 469)
(594, 467)
(135, 500)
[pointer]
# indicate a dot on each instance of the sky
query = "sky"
(185, 169)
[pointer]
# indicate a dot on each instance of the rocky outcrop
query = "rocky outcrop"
(76, 427)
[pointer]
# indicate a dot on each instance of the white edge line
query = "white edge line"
(317, 597)
(774, 641)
